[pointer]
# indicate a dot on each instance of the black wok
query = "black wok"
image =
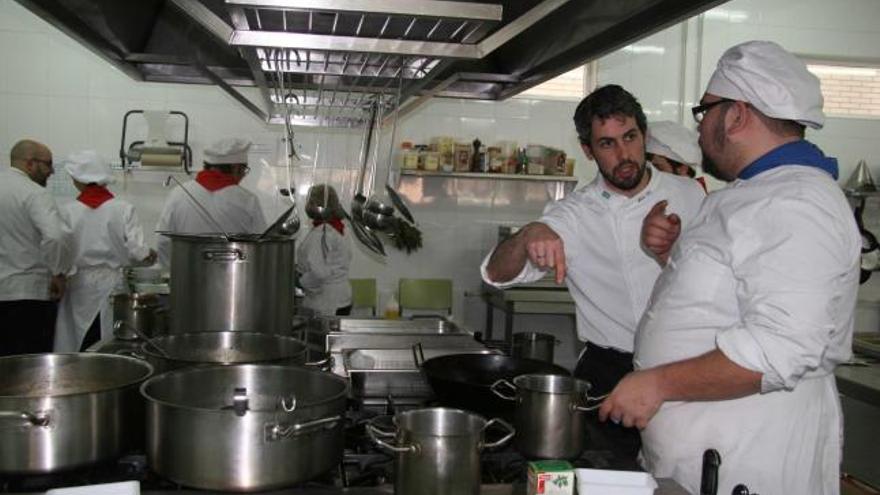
(463, 380)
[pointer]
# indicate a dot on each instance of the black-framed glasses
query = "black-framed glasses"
(699, 111)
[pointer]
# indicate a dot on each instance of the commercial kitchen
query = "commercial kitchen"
(418, 135)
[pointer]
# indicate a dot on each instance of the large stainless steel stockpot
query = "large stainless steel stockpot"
(550, 414)
(245, 283)
(244, 427)
(60, 411)
(534, 345)
(135, 314)
(438, 450)
(193, 349)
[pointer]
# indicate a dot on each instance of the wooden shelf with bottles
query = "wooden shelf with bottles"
(488, 175)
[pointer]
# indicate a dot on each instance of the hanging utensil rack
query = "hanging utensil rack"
(333, 56)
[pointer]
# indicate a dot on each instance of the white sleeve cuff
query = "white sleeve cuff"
(529, 273)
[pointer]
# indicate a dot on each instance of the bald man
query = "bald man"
(35, 252)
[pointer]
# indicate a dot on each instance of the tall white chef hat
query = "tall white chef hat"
(773, 80)
(88, 167)
(674, 141)
(228, 151)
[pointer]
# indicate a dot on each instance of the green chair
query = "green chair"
(425, 294)
(363, 294)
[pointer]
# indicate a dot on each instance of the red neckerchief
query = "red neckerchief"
(94, 195)
(214, 180)
(702, 181)
(336, 223)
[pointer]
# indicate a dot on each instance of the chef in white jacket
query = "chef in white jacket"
(754, 310)
(324, 255)
(217, 189)
(673, 148)
(35, 251)
(591, 240)
(107, 236)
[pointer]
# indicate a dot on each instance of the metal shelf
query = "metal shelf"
(487, 175)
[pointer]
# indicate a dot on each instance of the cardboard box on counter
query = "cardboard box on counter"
(551, 478)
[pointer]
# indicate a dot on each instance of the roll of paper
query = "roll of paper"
(154, 160)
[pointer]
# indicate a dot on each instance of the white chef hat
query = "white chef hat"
(228, 151)
(773, 80)
(674, 141)
(88, 167)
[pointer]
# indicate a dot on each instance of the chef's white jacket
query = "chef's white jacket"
(234, 208)
(106, 239)
(608, 273)
(768, 273)
(322, 260)
(34, 238)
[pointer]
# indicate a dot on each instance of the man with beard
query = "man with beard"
(35, 251)
(754, 310)
(591, 239)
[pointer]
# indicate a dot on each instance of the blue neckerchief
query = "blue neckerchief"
(800, 152)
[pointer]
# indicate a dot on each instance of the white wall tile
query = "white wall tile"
(26, 63)
(27, 116)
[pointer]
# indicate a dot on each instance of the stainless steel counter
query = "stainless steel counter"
(860, 381)
(667, 487)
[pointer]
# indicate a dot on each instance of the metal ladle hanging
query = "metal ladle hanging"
(378, 210)
(292, 224)
(366, 237)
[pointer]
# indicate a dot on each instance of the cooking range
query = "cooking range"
(363, 465)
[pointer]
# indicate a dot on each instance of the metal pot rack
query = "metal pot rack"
(322, 62)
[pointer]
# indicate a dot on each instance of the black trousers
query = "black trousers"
(343, 311)
(604, 368)
(29, 326)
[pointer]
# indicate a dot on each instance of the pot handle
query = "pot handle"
(496, 389)
(223, 255)
(418, 355)
(325, 364)
(592, 403)
(280, 431)
(375, 433)
(39, 418)
(130, 353)
(510, 433)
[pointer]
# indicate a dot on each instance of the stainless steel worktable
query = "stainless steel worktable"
(667, 487)
(544, 298)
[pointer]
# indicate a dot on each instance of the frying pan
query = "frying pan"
(464, 381)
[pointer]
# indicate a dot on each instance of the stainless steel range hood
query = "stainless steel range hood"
(328, 59)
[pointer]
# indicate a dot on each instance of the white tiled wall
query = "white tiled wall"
(56, 91)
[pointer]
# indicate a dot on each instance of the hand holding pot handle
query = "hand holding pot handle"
(510, 432)
(496, 389)
(592, 403)
(375, 433)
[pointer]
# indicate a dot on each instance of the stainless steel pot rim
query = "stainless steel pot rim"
(233, 238)
(145, 366)
(161, 341)
(470, 415)
(533, 336)
(551, 384)
(301, 405)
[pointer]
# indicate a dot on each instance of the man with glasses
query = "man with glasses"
(591, 241)
(754, 310)
(35, 252)
(216, 188)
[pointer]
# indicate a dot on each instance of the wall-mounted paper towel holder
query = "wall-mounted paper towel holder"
(155, 151)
